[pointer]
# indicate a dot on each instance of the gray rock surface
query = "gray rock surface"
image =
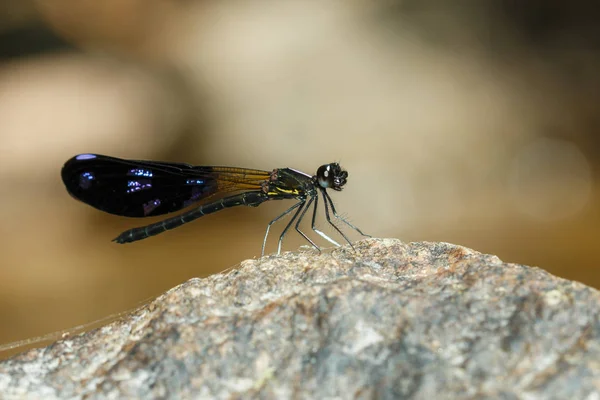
(389, 320)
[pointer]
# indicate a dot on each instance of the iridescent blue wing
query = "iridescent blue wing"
(146, 188)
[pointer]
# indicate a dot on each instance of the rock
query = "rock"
(388, 320)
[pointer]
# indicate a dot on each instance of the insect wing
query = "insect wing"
(136, 188)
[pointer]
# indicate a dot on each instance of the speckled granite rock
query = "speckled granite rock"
(391, 320)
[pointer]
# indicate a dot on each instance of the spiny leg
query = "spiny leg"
(327, 198)
(312, 198)
(314, 228)
(331, 222)
(301, 204)
(286, 212)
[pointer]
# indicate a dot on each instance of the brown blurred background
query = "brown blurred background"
(473, 122)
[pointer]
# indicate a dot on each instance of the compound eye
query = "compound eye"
(325, 176)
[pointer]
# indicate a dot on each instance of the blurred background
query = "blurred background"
(470, 122)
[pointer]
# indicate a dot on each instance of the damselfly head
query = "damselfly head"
(331, 176)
